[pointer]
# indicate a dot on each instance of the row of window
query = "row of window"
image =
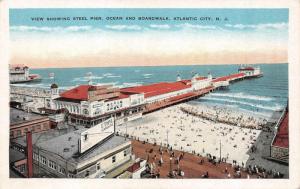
(23, 131)
(114, 105)
(71, 108)
(51, 164)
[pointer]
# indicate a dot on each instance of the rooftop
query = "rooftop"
(282, 136)
(13, 66)
(43, 136)
(19, 116)
(15, 155)
(77, 93)
(67, 145)
(81, 93)
(56, 141)
(225, 78)
(157, 88)
(246, 68)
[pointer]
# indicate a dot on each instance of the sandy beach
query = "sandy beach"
(191, 133)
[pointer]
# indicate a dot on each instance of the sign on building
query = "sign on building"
(96, 134)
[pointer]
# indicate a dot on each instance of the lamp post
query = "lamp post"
(220, 150)
(168, 139)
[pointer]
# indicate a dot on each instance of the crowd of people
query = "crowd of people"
(227, 116)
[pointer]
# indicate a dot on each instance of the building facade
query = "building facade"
(22, 122)
(90, 105)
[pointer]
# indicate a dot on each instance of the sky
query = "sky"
(147, 37)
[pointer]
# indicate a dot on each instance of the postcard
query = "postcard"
(120, 94)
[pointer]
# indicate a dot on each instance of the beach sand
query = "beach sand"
(187, 132)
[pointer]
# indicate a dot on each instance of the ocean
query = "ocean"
(261, 96)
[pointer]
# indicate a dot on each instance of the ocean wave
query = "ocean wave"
(108, 83)
(86, 78)
(264, 114)
(272, 108)
(243, 96)
(113, 76)
(107, 74)
(79, 79)
(147, 74)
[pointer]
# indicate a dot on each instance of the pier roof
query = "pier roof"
(282, 136)
(228, 77)
(246, 68)
(157, 88)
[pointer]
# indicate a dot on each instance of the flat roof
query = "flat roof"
(15, 155)
(44, 135)
(19, 116)
(55, 141)
(57, 145)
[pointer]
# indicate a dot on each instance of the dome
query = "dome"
(54, 86)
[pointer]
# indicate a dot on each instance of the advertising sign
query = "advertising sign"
(96, 134)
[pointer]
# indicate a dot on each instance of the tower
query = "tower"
(54, 90)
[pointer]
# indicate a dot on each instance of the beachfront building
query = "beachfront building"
(19, 73)
(160, 95)
(89, 105)
(250, 71)
(21, 122)
(33, 99)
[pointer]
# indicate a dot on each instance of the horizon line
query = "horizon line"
(216, 64)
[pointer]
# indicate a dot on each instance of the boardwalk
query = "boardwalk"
(189, 164)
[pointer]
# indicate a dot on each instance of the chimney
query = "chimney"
(29, 155)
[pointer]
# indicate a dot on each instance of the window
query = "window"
(36, 156)
(11, 133)
(25, 130)
(38, 127)
(113, 159)
(71, 175)
(22, 168)
(125, 153)
(85, 136)
(45, 126)
(18, 133)
(61, 169)
(52, 164)
(87, 173)
(43, 160)
(98, 166)
(85, 111)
